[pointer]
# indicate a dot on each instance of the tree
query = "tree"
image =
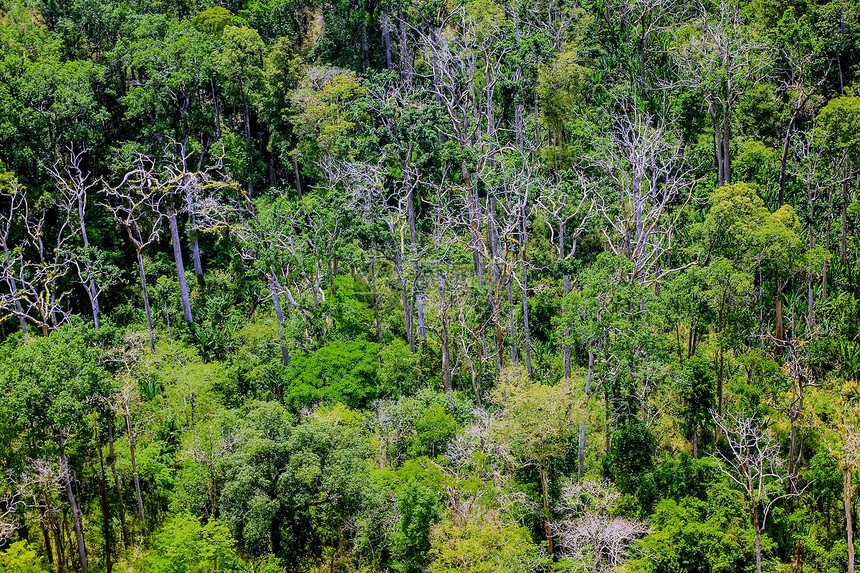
(136, 205)
(839, 431)
(644, 160)
(52, 385)
(75, 186)
(839, 125)
(697, 390)
(186, 546)
(753, 462)
(538, 422)
(590, 537)
(718, 54)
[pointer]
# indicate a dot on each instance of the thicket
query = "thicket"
(478, 285)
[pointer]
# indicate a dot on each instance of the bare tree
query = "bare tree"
(752, 461)
(35, 269)
(841, 436)
(136, 205)
(589, 533)
(724, 60)
(645, 162)
(567, 219)
(14, 198)
(75, 186)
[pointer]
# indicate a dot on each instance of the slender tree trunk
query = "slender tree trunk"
(526, 329)
(386, 36)
(376, 317)
(718, 149)
(117, 487)
(105, 513)
(826, 263)
(89, 285)
(134, 473)
(58, 540)
(809, 290)
(13, 285)
(783, 159)
(180, 267)
(547, 522)
(76, 511)
(847, 495)
(443, 331)
(524, 269)
(145, 293)
(279, 316)
(407, 306)
(298, 176)
(696, 443)
(727, 160)
(843, 240)
(195, 243)
(46, 535)
(757, 539)
(580, 457)
(512, 322)
(779, 333)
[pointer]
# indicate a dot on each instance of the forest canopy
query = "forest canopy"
(417, 286)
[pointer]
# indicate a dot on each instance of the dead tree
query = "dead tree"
(35, 268)
(75, 186)
(753, 463)
(589, 533)
(724, 60)
(644, 160)
(567, 217)
(136, 205)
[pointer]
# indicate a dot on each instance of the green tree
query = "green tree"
(184, 545)
(52, 385)
(538, 424)
(419, 509)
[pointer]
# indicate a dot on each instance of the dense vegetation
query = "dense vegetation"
(384, 285)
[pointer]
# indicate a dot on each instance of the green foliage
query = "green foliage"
(631, 455)
(342, 371)
(419, 509)
(19, 557)
(483, 548)
(185, 546)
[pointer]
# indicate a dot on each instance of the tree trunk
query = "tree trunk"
(105, 513)
(134, 467)
(180, 267)
(76, 511)
(407, 306)
(443, 332)
(512, 322)
(757, 539)
(843, 239)
(376, 317)
(727, 160)
(526, 329)
(779, 331)
(145, 293)
(195, 243)
(847, 494)
(298, 176)
(89, 285)
(544, 484)
(580, 457)
(13, 285)
(279, 316)
(58, 540)
(386, 36)
(117, 487)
